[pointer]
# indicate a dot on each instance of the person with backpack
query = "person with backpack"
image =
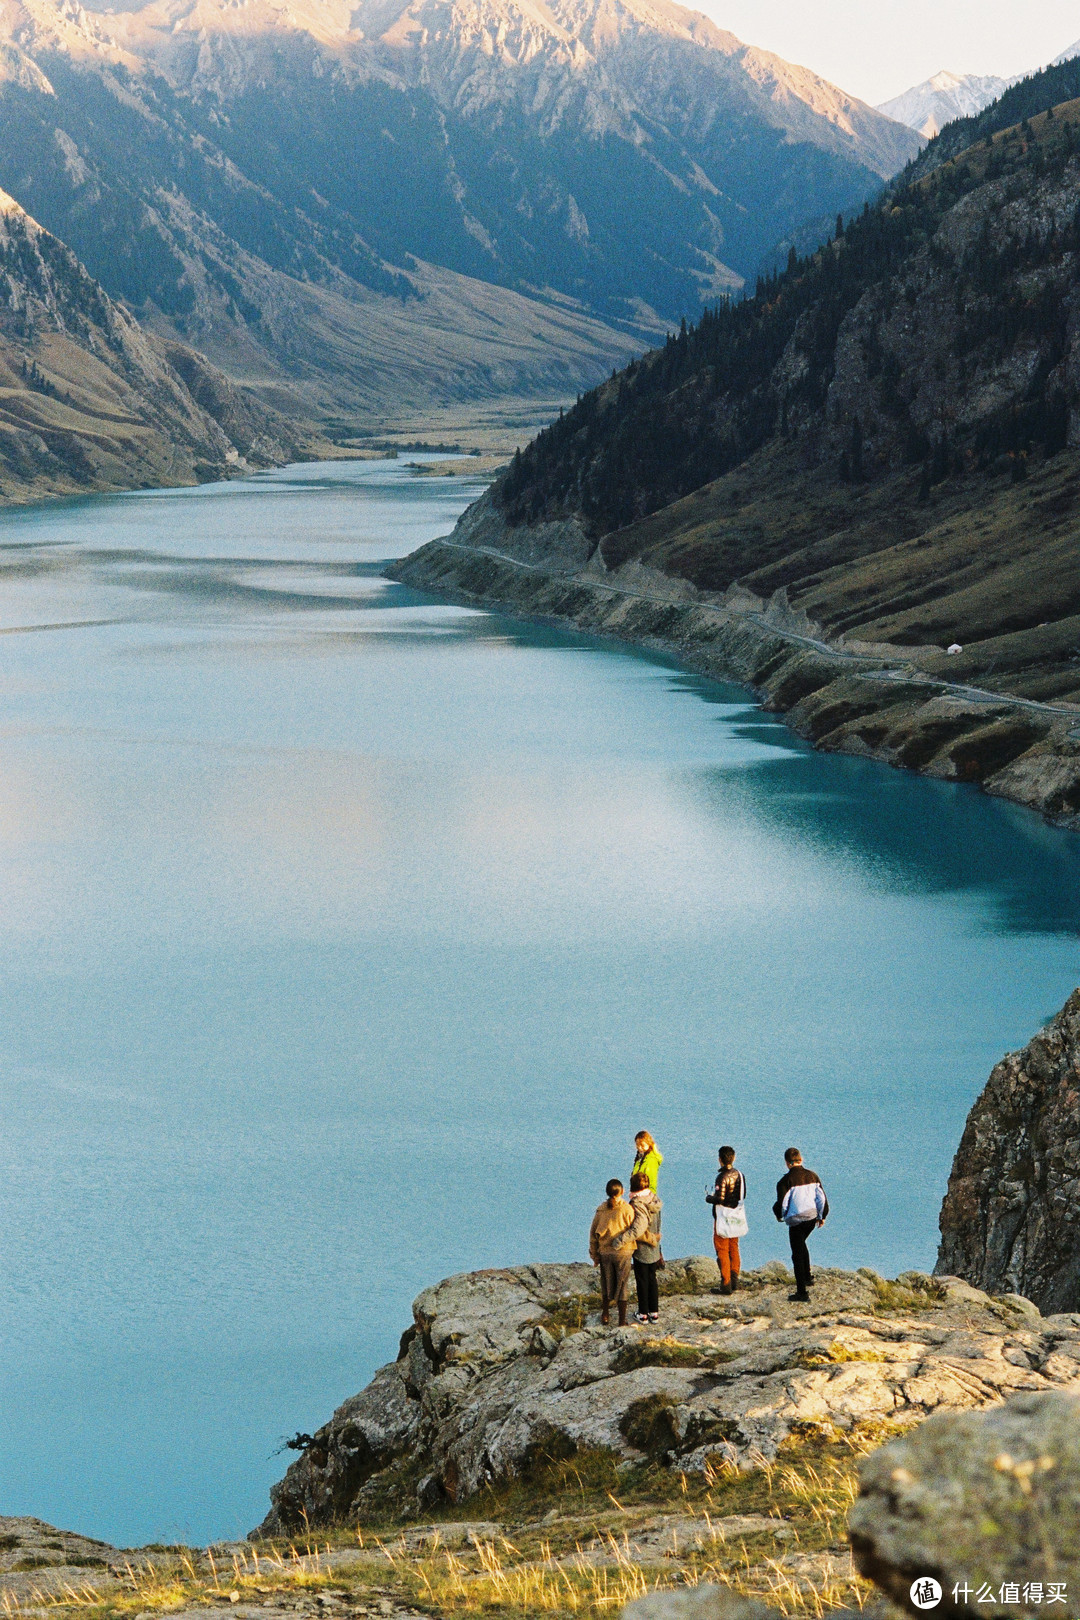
(648, 1257)
(647, 1158)
(802, 1205)
(728, 1199)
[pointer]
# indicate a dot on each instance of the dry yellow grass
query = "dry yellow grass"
(586, 1564)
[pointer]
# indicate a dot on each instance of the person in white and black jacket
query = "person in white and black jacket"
(802, 1205)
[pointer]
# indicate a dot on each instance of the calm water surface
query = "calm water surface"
(346, 938)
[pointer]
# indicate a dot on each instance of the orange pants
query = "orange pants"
(727, 1257)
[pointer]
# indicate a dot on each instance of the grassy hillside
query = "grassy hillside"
(1027, 99)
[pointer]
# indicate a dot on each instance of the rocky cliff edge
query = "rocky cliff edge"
(503, 1369)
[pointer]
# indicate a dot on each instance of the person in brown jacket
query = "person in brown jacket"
(613, 1236)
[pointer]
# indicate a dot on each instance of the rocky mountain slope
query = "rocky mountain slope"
(503, 1368)
(929, 106)
(348, 201)
(90, 401)
(1010, 1217)
(882, 443)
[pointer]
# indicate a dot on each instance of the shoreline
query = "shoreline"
(888, 704)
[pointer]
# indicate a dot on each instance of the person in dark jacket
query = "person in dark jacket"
(802, 1205)
(728, 1199)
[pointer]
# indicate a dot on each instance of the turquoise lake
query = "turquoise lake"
(347, 937)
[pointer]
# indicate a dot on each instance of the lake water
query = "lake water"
(347, 937)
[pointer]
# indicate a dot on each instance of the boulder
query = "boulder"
(980, 1502)
(1010, 1222)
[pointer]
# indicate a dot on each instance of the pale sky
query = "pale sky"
(877, 48)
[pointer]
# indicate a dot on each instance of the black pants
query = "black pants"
(800, 1254)
(648, 1295)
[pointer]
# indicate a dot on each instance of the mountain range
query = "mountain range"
(343, 204)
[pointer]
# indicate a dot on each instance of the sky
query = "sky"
(877, 48)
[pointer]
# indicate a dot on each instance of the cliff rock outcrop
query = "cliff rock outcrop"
(504, 1369)
(1011, 1215)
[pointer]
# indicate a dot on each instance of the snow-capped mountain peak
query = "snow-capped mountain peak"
(929, 106)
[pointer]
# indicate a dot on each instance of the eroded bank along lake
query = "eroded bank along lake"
(346, 938)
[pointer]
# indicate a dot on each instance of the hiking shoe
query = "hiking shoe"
(605, 1318)
(725, 1288)
(654, 1316)
(734, 1281)
(810, 1281)
(642, 1316)
(799, 1298)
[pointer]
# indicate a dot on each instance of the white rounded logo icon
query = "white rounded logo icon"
(925, 1592)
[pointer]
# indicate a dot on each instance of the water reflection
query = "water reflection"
(921, 836)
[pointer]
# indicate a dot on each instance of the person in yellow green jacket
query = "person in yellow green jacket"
(648, 1158)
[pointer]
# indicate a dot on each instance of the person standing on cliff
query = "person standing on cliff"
(647, 1254)
(802, 1205)
(613, 1236)
(647, 1159)
(728, 1199)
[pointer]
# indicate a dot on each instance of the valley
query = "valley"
(881, 445)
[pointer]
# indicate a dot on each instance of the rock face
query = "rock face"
(1011, 1215)
(505, 1368)
(977, 1500)
(697, 1603)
